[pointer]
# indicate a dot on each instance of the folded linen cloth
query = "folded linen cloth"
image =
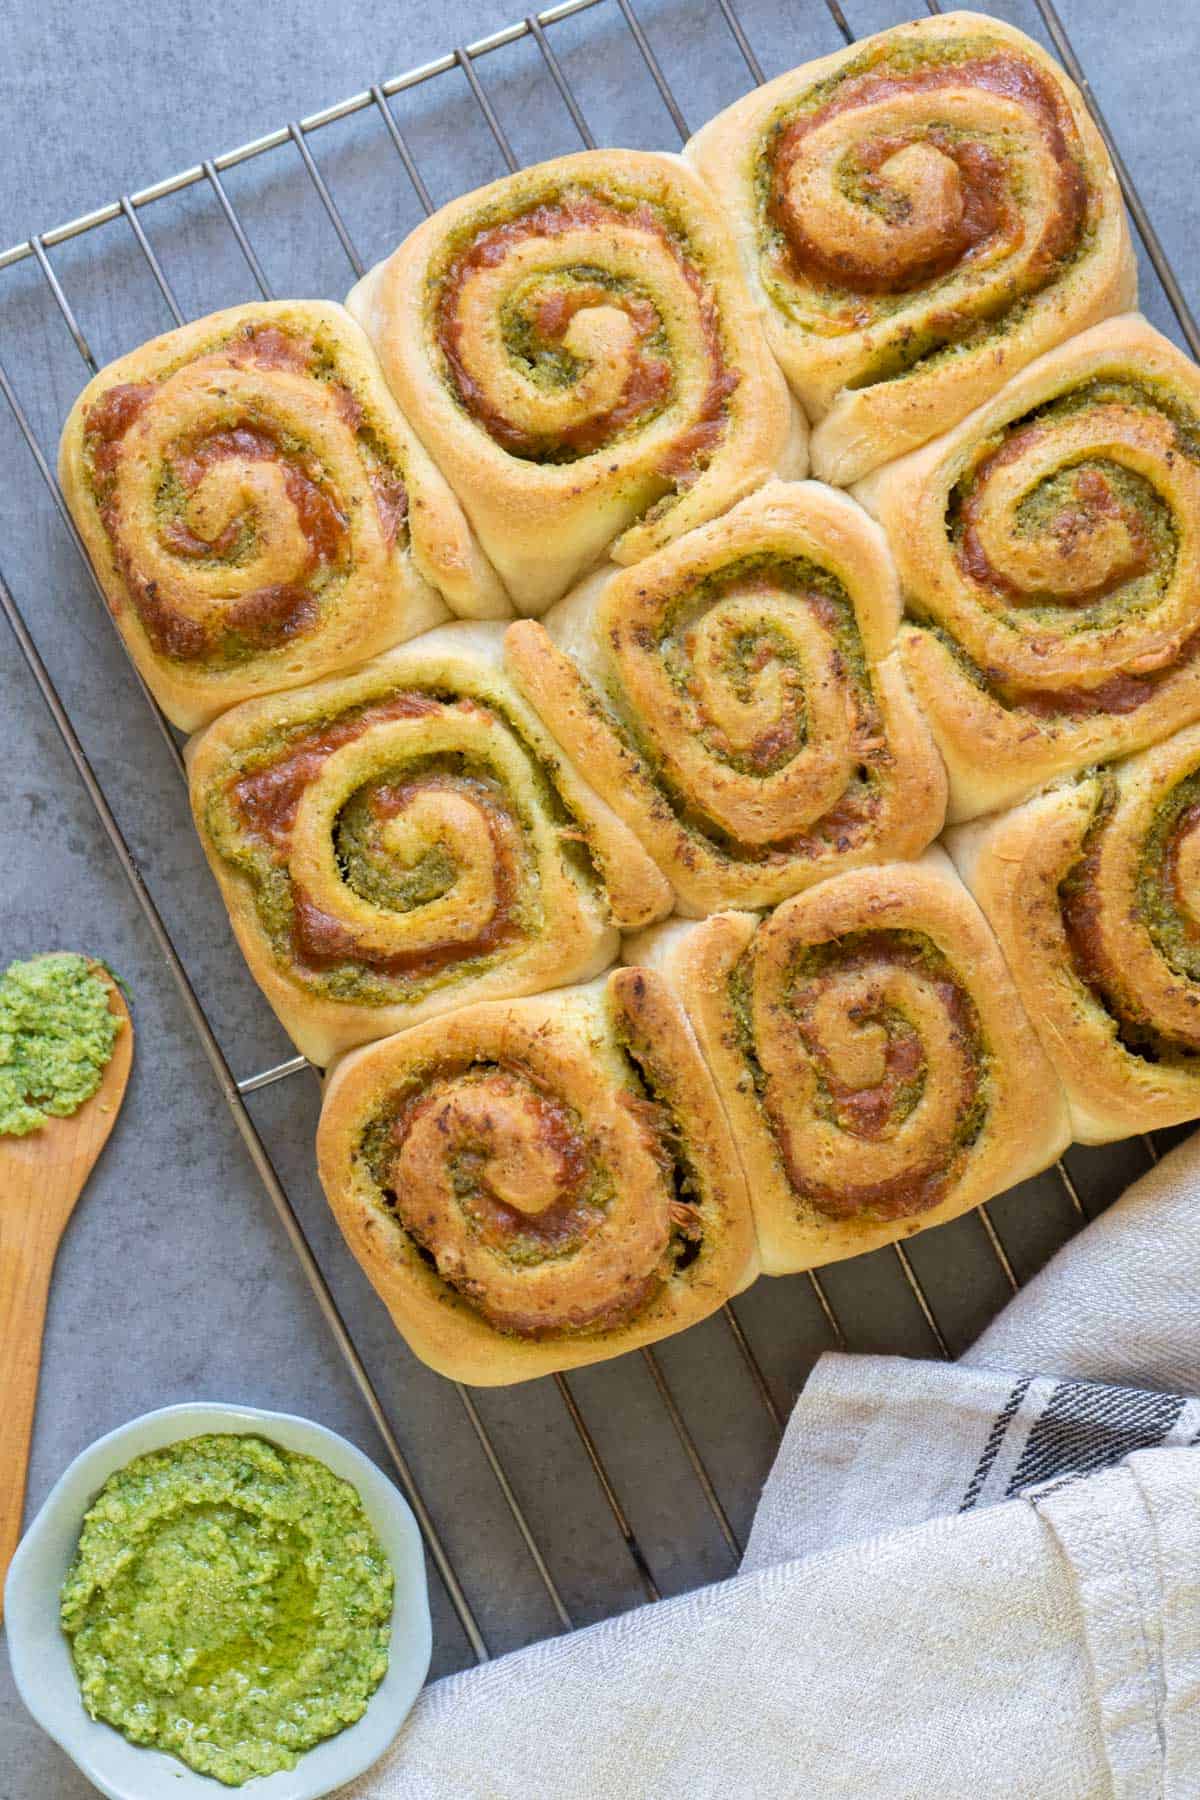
(963, 1581)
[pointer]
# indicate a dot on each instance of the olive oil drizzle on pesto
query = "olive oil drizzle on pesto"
(229, 1603)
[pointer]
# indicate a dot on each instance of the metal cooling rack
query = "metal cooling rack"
(865, 1304)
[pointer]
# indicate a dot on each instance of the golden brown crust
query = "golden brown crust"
(987, 217)
(235, 566)
(655, 384)
(891, 1085)
(395, 842)
(734, 700)
(550, 1097)
(1052, 541)
(1090, 888)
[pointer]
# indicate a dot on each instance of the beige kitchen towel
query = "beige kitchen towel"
(977, 1581)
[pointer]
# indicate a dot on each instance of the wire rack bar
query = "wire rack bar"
(655, 67)
(485, 106)
(258, 1154)
(235, 225)
(327, 201)
(560, 81)
(342, 109)
(743, 43)
(688, 1443)
(636, 1553)
(143, 244)
(81, 343)
(755, 1368)
(128, 207)
(281, 1071)
(295, 1064)
(1141, 218)
(397, 137)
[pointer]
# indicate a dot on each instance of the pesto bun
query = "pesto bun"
(1093, 890)
(1049, 554)
(406, 839)
(258, 511)
(919, 216)
(577, 349)
(737, 701)
(537, 1184)
(877, 1067)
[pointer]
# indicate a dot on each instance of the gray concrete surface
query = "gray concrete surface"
(175, 1280)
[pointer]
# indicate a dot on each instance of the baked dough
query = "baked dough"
(257, 510)
(919, 216)
(736, 700)
(400, 841)
(533, 1185)
(868, 1044)
(1049, 547)
(1093, 890)
(576, 347)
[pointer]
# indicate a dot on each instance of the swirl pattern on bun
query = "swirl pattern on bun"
(866, 1039)
(577, 349)
(1093, 889)
(257, 510)
(406, 839)
(537, 1184)
(735, 700)
(921, 215)
(1049, 548)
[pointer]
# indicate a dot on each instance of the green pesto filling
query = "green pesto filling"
(1145, 393)
(362, 857)
(467, 1166)
(57, 1032)
(376, 1148)
(912, 350)
(550, 366)
(794, 577)
(229, 1604)
(232, 648)
(1052, 498)
(547, 364)
(365, 866)
(1135, 1030)
(814, 960)
(1173, 936)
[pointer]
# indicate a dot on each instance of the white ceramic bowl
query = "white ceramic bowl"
(41, 1657)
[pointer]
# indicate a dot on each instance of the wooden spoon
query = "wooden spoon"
(41, 1177)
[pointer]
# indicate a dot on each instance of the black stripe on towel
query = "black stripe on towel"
(1085, 1427)
(995, 1438)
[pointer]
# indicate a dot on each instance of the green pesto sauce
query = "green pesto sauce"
(229, 1603)
(936, 343)
(57, 1033)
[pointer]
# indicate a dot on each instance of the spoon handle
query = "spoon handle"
(27, 1250)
